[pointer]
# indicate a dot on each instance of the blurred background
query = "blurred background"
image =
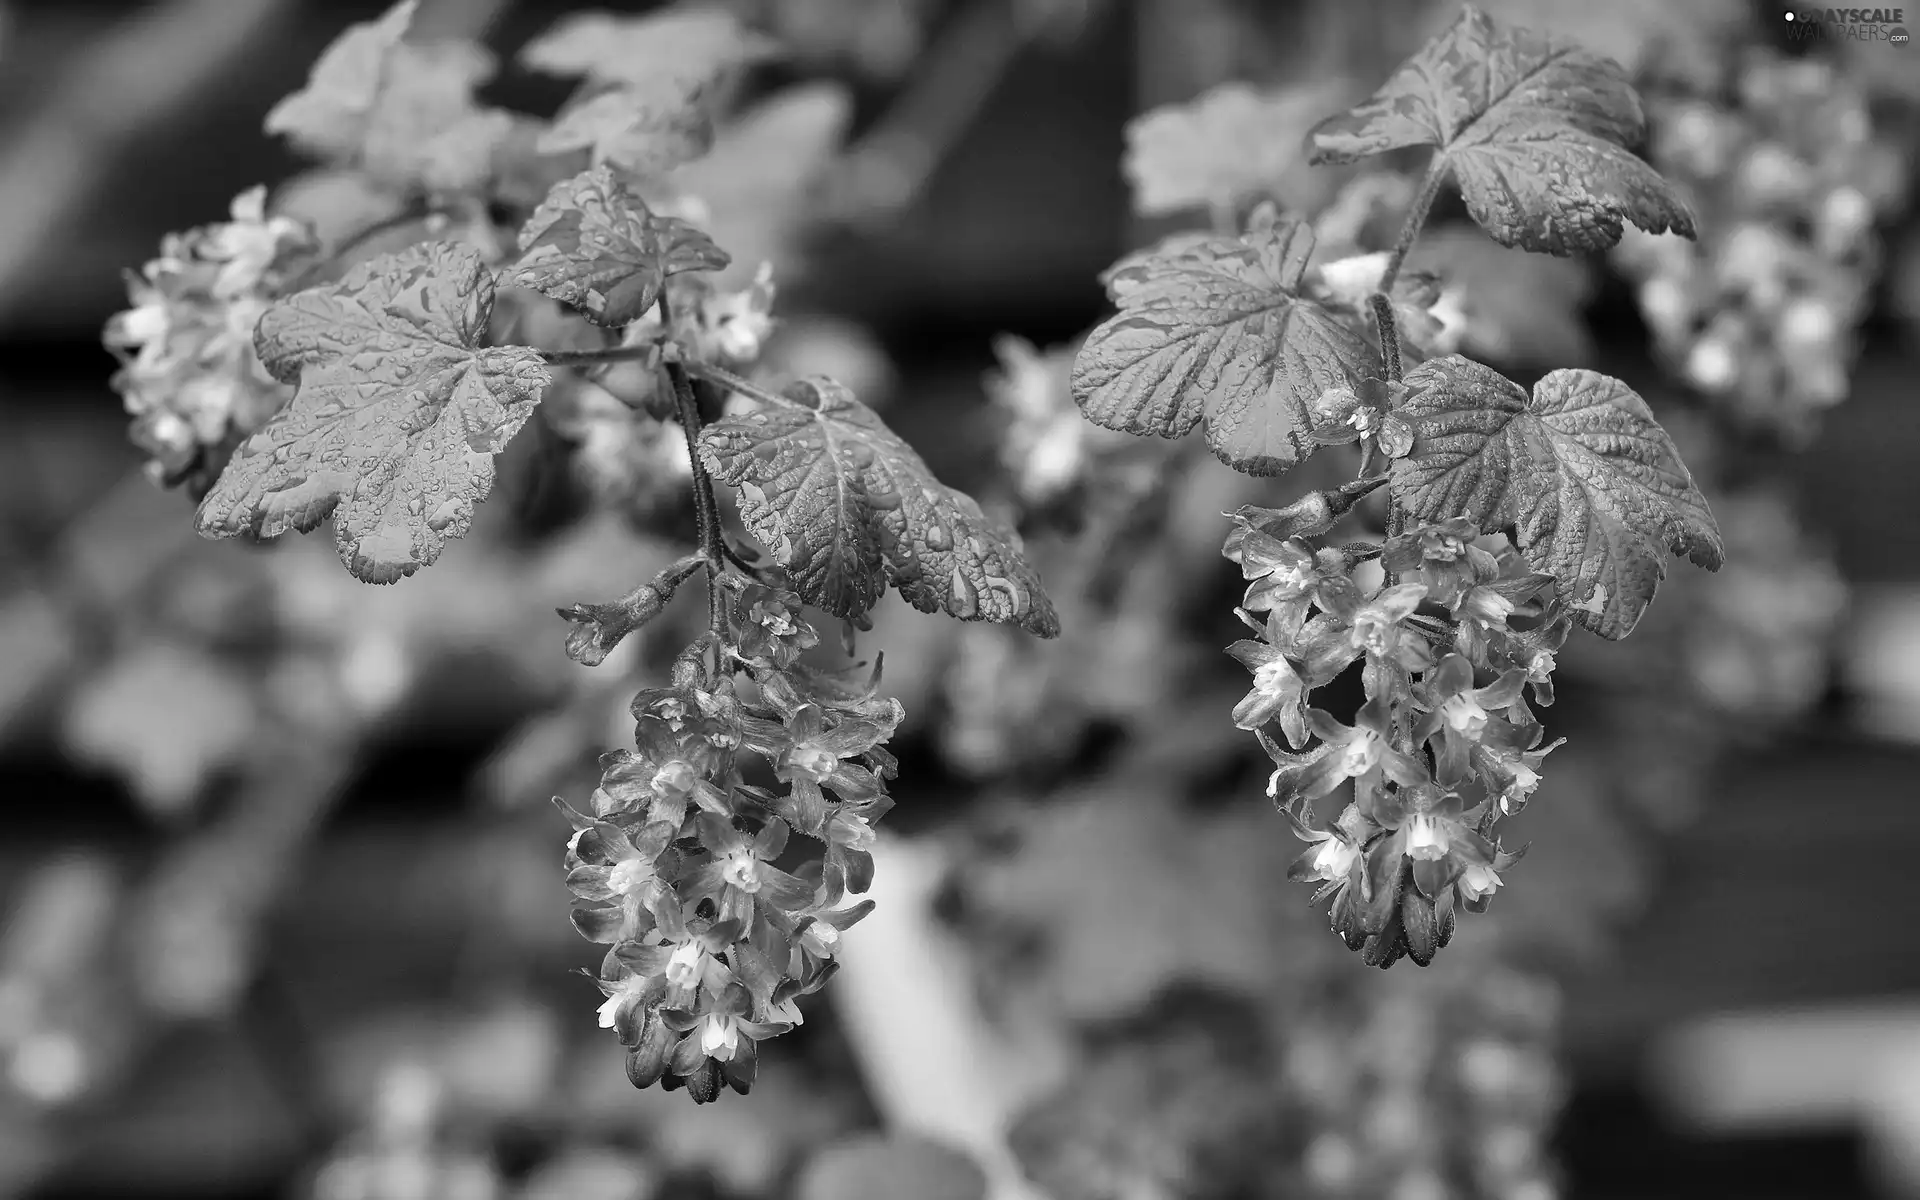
(281, 906)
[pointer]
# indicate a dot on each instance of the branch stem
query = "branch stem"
(1389, 336)
(721, 377)
(588, 358)
(713, 547)
(1437, 171)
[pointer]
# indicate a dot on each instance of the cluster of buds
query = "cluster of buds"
(1446, 744)
(188, 372)
(677, 868)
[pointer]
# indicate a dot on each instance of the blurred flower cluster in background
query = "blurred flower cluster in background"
(281, 901)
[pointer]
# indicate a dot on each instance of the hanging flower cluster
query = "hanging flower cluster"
(678, 867)
(1446, 744)
(188, 372)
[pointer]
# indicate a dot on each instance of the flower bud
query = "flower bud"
(598, 628)
(647, 1061)
(1311, 514)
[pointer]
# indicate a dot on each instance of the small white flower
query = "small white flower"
(1477, 882)
(687, 965)
(624, 991)
(821, 938)
(1464, 714)
(719, 1036)
(1334, 859)
(629, 875)
(1361, 753)
(1426, 839)
(851, 830)
(742, 871)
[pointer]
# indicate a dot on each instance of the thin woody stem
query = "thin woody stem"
(721, 377)
(1436, 175)
(588, 358)
(1389, 336)
(706, 509)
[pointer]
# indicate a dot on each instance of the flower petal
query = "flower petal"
(601, 925)
(783, 890)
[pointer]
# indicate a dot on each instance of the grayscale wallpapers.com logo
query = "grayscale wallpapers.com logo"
(1853, 24)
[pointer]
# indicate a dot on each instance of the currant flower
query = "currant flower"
(740, 876)
(1363, 752)
(1458, 714)
(815, 758)
(1375, 627)
(718, 1044)
(1279, 692)
(1335, 855)
(1363, 413)
(631, 998)
(693, 714)
(817, 936)
(668, 773)
(1283, 576)
(1481, 611)
(1511, 774)
(618, 877)
(1444, 557)
(850, 838)
(1534, 652)
(766, 630)
(1434, 832)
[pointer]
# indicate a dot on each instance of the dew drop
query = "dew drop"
(966, 601)
(415, 507)
(1017, 598)
(444, 515)
(937, 538)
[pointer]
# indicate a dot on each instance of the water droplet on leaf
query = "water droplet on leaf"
(966, 601)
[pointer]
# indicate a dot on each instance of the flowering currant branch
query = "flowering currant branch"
(1509, 518)
(379, 401)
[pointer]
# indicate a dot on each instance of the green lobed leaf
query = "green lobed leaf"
(1533, 128)
(847, 507)
(1591, 484)
(1215, 329)
(402, 113)
(595, 245)
(397, 417)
